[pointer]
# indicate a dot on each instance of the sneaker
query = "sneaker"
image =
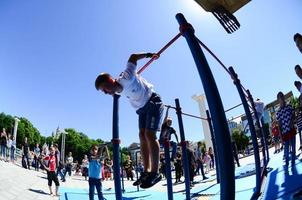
(205, 178)
(140, 179)
(151, 180)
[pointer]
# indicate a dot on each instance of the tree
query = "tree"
(25, 129)
(240, 139)
(294, 101)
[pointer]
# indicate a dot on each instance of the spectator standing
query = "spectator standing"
(178, 168)
(198, 156)
(285, 116)
(207, 161)
(8, 147)
(128, 166)
(13, 149)
(162, 168)
(3, 142)
(51, 171)
(276, 136)
(37, 152)
(192, 163)
(25, 154)
(211, 154)
(85, 164)
(68, 167)
(95, 165)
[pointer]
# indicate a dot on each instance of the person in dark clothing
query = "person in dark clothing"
(3, 141)
(178, 168)
(192, 163)
(198, 157)
(162, 168)
(25, 154)
(235, 153)
(166, 132)
(128, 166)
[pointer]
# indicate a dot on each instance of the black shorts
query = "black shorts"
(51, 176)
(149, 116)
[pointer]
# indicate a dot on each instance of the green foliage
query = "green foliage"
(240, 139)
(294, 101)
(25, 129)
(76, 142)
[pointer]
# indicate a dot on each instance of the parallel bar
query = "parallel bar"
(116, 148)
(189, 115)
(184, 149)
(253, 132)
(158, 53)
(214, 146)
(221, 130)
(168, 169)
(233, 107)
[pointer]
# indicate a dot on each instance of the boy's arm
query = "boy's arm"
(135, 57)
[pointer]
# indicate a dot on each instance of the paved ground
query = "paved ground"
(17, 183)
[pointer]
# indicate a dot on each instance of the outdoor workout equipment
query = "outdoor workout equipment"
(219, 123)
(156, 56)
(220, 126)
(184, 149)
(253, 132)
(223, 11)
(209, 120)
(116, 147)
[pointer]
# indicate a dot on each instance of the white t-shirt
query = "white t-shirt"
(135, 88)
(259, 106)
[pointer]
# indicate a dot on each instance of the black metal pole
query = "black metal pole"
(136, 169)
(214, 146)
(184, 149)
(168, 169)
(116, 147)
(122, 168)
(221, 130)
(252, 130)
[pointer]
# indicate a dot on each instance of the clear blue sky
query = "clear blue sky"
(52, 50)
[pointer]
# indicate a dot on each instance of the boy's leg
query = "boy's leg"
(153, 149)
(91, 188)
(98, 186)
(144, 150)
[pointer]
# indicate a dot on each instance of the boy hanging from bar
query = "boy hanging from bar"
(149, 108)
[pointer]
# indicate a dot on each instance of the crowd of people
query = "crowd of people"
(288, 120)
(8, 146)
